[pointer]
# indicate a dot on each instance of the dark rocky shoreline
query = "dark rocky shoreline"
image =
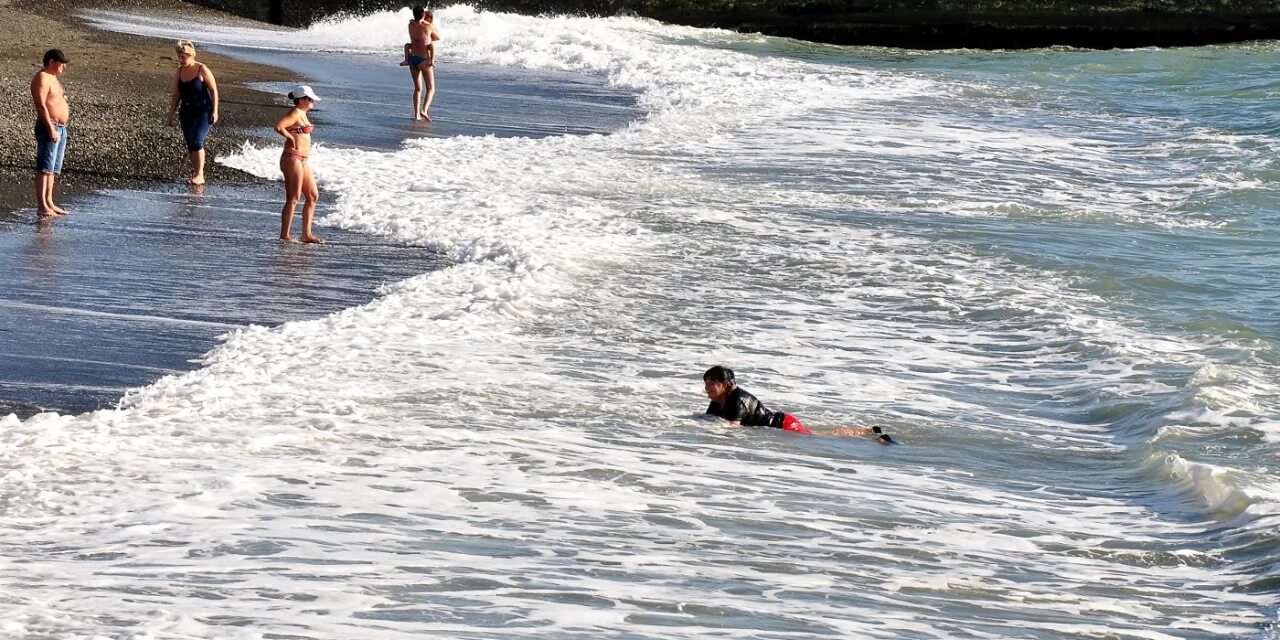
(916, 24)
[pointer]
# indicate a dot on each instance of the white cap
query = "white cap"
(303, 91)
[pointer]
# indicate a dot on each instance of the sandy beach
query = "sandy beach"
(118, 87)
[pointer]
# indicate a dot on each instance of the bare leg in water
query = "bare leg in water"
(197, 167)
(312, 192)
(430, 73)
(294, 174)
(416, 74)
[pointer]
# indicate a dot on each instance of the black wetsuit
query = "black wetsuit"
(745, 409)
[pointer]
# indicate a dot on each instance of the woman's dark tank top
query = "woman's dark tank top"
(194, 95)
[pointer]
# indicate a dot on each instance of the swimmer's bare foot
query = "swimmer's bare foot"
(197, 180)
(58, 211)
(44, 213)
(287, 239)
(424, 116)
(313, 239)
(417, 117)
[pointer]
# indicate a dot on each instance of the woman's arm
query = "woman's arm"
(173, 99)
(213, 91)
(283, 124)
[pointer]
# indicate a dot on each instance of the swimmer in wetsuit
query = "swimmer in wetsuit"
(735, 404)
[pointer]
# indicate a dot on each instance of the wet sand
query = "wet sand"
(93, 304)
(118, 86)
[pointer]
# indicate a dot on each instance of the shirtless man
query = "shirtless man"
(52, 114)
(735, 404)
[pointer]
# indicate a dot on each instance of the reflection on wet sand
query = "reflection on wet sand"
(140, 283)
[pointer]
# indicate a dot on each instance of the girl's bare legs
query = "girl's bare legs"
(293, 170)
(309, 209)
(417, 90)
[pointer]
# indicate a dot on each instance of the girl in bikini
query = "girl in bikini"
(298, 176)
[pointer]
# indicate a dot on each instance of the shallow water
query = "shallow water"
(1045, 272)
(136, 285)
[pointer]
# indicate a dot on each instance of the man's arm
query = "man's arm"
(40, 90)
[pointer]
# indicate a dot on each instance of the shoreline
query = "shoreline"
(118, 87)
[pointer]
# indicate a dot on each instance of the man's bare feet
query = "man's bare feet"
(424, 116)
(197, 180)
(58, 211)
(44, 213)
(313, 239)
(287, 239)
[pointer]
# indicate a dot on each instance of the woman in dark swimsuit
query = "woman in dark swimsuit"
(196, 90)
(733, 403)
(299, 179)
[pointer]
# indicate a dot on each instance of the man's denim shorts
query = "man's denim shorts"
(49, 153)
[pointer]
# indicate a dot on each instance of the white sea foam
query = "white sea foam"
(501, 448)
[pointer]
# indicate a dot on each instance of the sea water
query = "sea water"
(1047, 273)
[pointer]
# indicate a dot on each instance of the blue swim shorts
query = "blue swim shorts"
(49, 153)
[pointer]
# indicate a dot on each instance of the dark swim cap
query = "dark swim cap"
(719, 373)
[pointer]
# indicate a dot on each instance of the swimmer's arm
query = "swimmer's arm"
(213, 91)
